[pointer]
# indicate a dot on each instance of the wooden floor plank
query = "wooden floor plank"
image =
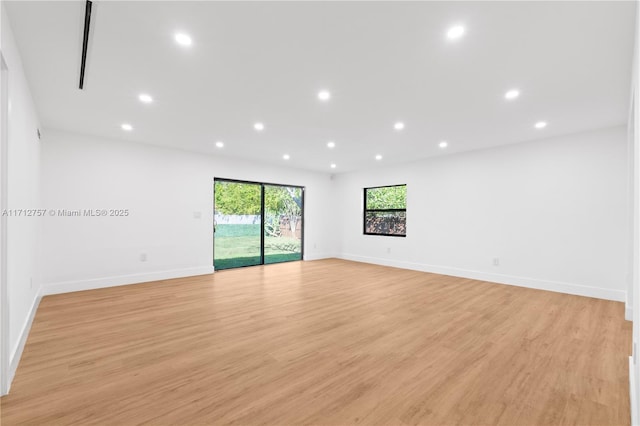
(326, 342)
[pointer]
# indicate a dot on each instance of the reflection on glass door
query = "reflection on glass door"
(237, 224)
(282, 223)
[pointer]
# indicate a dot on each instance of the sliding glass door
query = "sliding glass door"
(237, 226)
(283, 223)
(256, 223)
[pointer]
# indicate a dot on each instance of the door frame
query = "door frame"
(262, 185)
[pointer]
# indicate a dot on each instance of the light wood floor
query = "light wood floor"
(327, 342)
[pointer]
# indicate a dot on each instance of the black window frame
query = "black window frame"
(364, 216)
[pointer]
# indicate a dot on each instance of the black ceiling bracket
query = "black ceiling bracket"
(85, 41)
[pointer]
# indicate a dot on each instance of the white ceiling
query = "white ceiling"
(381, 61)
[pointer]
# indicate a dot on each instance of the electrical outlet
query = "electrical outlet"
(388, 249)
(315, 246)
(496, 261)
(197, 215)
(143, 257)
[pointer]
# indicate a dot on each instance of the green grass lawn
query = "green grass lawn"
(239, 245)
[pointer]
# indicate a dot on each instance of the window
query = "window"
(385, 211)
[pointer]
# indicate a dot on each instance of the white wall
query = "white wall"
(628, 313)
(23, 180)
(162, 188)
(553, 211)
(634, 139)
(4, 302)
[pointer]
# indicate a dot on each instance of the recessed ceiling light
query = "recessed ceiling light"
(259, 127)
(443, 144)
(455, 32)
(541, 125)
(145, 98)
(183, 39)
(331, 144)
(127, 127)
(378, 157)
(512, 94)
(324, 95)
(219, 144)
(399, 125)
(333, 165)
(286, 156)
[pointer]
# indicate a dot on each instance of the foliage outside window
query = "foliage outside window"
(233, 198)
(385, 211)
(280, 203)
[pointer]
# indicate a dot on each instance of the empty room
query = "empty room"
(319, 213)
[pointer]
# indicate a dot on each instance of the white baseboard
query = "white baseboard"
(92, 284)
(318, 256)
(633, 398)
(16, 352)
(559, 287)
